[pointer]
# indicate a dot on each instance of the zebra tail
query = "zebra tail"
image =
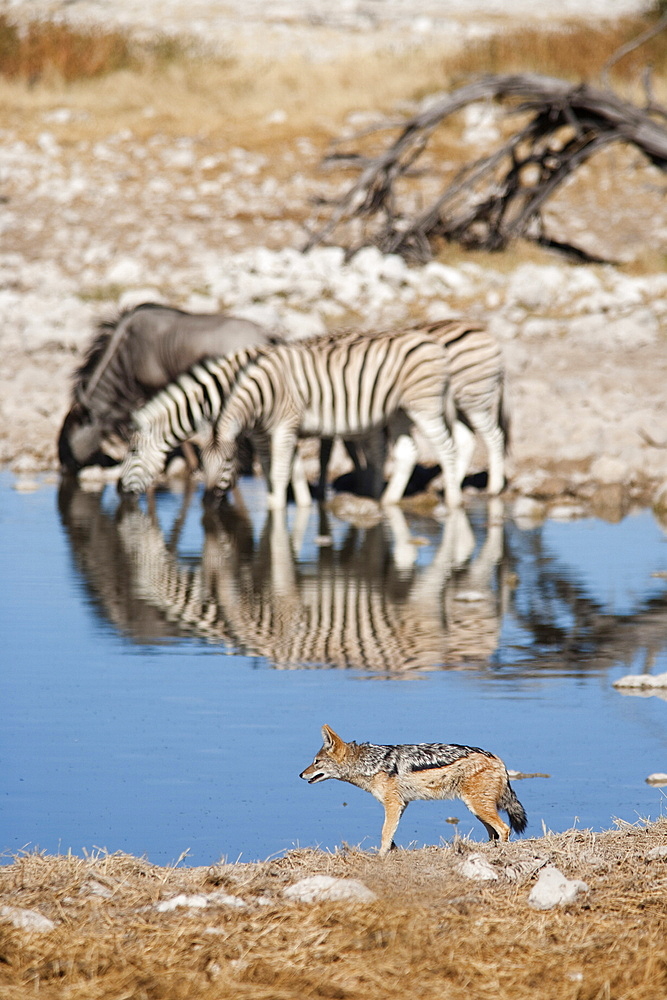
(504, 418)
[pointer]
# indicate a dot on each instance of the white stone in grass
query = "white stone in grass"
(318, 888)
(554, 889)
(194, 902)
(478, 868)
(26, 920)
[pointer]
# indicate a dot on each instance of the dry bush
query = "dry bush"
(430, 933)
(44, 49)
(572, 51)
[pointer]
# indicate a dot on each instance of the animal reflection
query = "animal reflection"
(570, 629)
(365, 603)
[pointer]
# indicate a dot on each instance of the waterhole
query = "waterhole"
(167, 669)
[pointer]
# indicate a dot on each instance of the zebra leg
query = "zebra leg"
(326, 446)
(491, 433)
(283, 447)
(300, 483)
(405, 458)
(435, 429)
(464, 439)
(375, 447)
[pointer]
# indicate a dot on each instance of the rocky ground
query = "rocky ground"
(100, 212)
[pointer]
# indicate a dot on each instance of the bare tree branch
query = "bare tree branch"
(497, 197)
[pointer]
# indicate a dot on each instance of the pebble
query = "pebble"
(478, 868)
(320, 888)
(641, 681)
(26, 920)
(554, 889)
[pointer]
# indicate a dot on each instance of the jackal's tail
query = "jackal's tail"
(514, 809)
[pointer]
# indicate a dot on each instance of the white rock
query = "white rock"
(26, 920)
(656, 853)
(657, 779)
(196, 902)
(124, 271)
(534, 287)
(435, 275)
(527, 509)
(317, 888)
(220, 897)
(478, 868)
(554, 889)
(566, 512)
(641, 681)
(607, 469)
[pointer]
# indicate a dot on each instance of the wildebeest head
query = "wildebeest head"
(80, 441)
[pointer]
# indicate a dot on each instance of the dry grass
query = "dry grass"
(430, 930)
(190, 92)
(44, 50)
(573, 51)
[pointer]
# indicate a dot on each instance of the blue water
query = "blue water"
(143, 711)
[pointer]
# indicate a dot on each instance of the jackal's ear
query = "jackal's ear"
(330, 739)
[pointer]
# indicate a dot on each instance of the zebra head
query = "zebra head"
(221, 466)
(142, 464)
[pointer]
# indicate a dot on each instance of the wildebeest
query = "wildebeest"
(128, 361)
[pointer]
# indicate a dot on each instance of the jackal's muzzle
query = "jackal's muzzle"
(312, 776)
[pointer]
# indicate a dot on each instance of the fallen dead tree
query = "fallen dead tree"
(498, 197)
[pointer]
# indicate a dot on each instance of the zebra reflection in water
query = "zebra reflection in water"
(363, 603)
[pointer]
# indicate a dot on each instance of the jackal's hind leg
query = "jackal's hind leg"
(481, 792)
(488, 816)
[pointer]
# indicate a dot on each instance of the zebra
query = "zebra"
(127, 362)
(329, 386)
(184, 409)
(477, 382)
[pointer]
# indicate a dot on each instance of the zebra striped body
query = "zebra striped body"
(334, 385)
(185, 408)
(477, 387)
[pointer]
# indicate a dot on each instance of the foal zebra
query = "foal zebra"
(335, 385)
(187, 407)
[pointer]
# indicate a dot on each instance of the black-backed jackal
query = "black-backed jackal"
(396, 775)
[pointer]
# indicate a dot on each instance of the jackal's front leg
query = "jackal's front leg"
(394, 807)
